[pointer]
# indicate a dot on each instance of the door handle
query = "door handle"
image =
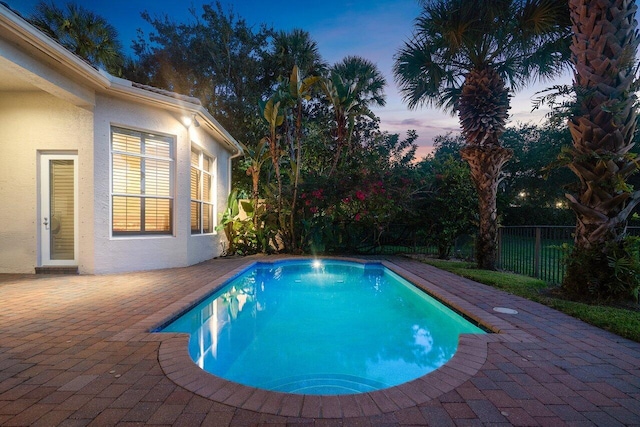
(46, 223)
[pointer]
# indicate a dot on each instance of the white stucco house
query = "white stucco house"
(98, 173)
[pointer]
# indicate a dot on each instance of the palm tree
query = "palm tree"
(353, 85)
(297, 48)
(342, 98)
(467, 57)
(300, 89)
(369, 81)
(604, 54)
(82, 32)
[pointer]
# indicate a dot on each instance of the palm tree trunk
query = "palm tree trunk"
(604, 50)
(486, 163)
(341, 136)
(255, 194)
(296, 179)
(483, 109)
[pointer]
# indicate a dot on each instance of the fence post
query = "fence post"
(537, 253)
(499, 247)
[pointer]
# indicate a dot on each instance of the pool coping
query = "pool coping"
(178, 366)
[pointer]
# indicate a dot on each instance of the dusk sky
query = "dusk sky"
(373, 29)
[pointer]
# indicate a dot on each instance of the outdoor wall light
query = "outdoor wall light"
(188, 121)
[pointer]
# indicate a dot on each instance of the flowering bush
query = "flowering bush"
(350, 212)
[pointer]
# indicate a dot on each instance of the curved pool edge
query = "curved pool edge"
(471, 355)
(178, 366)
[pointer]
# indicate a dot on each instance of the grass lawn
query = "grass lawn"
(623, 322)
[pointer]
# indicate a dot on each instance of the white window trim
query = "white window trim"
(213, 196)
(172, 161)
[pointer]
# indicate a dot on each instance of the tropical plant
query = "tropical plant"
(82, 32)
(274, 115)
(467, 56)
(296, 48)
(244, 235)
(368, 80)
(254, 159)
(300, 89)
(352, 87)
(341, 96)
(609, 272)
(602, 126)
(229, 218)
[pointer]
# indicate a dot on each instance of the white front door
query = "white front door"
(59, 209)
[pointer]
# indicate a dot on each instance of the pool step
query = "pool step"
(57, 270)
(327, 384)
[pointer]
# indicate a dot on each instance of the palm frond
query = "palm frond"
(524, 40)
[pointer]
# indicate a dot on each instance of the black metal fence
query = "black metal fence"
(535, 251)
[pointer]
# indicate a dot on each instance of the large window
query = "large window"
(142, 186)
(201, 192)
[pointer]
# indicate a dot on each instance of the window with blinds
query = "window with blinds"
(142, 182)
(201, 192)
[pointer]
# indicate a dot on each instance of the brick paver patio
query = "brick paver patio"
(76, 350)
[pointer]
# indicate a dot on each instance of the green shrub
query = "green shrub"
(606, 273)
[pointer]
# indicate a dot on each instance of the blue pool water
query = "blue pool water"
(321, 327)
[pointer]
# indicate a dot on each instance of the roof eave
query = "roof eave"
(191, 106)
(100, 80)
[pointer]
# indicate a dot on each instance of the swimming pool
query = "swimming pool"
(323, 327)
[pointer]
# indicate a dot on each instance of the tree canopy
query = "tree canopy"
(82, 32)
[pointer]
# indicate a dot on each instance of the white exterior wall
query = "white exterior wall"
(131, 253)
(34, 123)
(52, 102)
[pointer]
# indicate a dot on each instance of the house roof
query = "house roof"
(24, 47)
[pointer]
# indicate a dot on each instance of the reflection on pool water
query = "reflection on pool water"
(321, 327)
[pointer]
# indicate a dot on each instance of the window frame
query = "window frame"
(142, 196)
(201, 202)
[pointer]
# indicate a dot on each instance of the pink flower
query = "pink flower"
(360, 195)
(357, 217)
(314, 209)
(346, 200)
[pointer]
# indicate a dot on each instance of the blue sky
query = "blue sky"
(373, 29)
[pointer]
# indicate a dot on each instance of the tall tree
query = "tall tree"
(296, 48)
(604, 48)
(217, 57)
(345, 106)
(353, 86)
(367, 79)
(300, 90)
(466, 57)
(82, 32)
